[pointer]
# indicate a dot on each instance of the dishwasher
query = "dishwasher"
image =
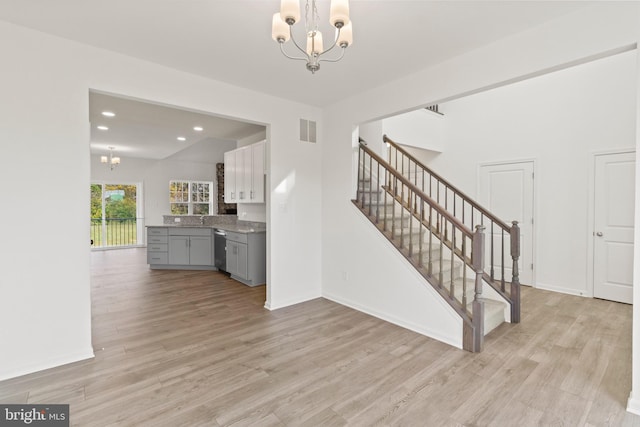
(220, 249)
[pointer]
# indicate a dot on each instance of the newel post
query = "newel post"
(515, 280)
(359, 190)
(478, 304)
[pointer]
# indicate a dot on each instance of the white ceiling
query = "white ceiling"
(150, 131)
(230, 41)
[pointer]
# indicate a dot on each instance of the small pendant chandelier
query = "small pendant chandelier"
(111, 161)
(282, 30)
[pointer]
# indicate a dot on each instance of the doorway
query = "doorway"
(506, 189)
(115, 215)
(613, 226)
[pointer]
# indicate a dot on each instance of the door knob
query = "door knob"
(599, 234)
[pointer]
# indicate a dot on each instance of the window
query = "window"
(190, 197)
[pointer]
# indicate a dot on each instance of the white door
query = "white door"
(506, 190)
(613, 226)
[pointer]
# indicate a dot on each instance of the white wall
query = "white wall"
(559, 120)
(155, 176)
(601, 28)
(421, 128)
(372, 133)
(633, 404)
(45, 82)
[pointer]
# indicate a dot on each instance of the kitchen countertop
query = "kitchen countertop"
(238, 228)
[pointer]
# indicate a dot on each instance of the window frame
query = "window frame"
(194, 188)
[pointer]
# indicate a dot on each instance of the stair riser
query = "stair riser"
(402, 220)
(435, 267)
(493, 314)
(372, 197)
(446, 272)
(392, 213)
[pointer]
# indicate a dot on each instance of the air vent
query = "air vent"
(434, 108)
(307, 130)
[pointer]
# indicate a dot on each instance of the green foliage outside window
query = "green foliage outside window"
(190, 197)
(118, 226)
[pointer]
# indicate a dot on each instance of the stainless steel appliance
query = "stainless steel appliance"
(220, 249)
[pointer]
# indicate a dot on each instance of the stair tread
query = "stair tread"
(493, 310)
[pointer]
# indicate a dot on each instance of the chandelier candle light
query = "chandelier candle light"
(282, 30)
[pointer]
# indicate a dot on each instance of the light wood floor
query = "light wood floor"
(196, 348)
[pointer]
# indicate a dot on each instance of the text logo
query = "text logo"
(34, 415)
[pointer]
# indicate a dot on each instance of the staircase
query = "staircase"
(441, 232)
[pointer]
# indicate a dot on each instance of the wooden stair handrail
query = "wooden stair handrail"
(469, 247)
(513, 231)
(466, 230)
(466, 198)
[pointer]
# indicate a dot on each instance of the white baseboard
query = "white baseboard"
(48, 364)
(455, 341)
(562, 290)
(633, 404)
(270, 305)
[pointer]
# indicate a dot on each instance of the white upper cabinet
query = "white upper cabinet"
(244, 174)
(256, 194)
(230, 194)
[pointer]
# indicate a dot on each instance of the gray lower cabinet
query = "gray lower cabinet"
(157, 247)
(246, 257)
(183, 248)
(237, 259)
(190, 250)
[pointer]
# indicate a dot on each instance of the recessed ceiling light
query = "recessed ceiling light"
(108, 114)
(182, 138)
(198, 128)
(103, 127)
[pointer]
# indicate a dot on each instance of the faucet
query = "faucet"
(201, 219)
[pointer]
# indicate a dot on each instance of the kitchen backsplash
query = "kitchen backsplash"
(209, 220)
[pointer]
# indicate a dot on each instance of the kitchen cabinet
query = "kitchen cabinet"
(157, 247)
(237, 259)
(193, 248)
(190, 246)
(244, 170)
(230, 182)
(254, 173)
(183, 248)
(246, 257)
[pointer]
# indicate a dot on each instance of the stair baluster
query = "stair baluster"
(459, 205)
(446, 235)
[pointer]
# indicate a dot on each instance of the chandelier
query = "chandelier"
(112, 161)
(282, 30)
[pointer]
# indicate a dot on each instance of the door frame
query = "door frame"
(591, 203)
(140, 225)
(534, 248)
